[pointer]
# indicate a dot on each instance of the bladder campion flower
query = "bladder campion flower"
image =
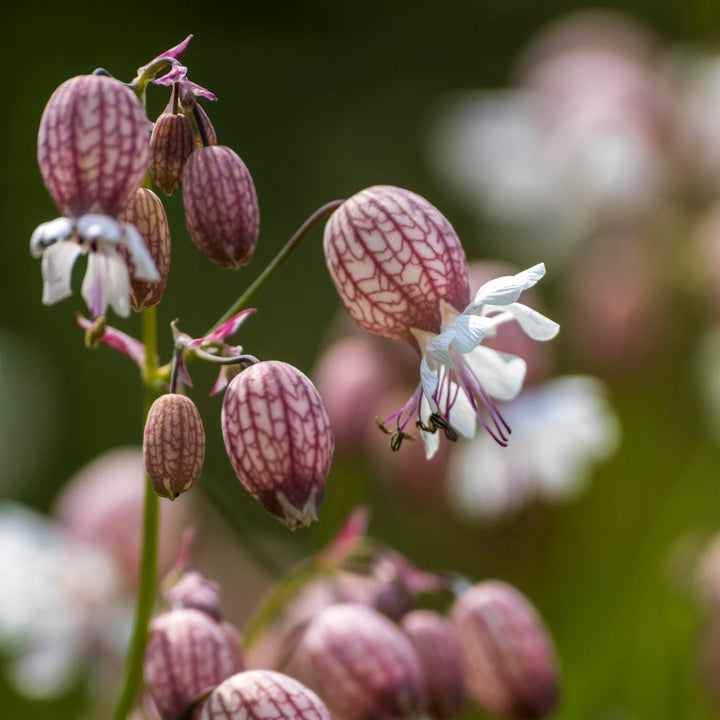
(278, 438)
(401, 272)
(93, 152)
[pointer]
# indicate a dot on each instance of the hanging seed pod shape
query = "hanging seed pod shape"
(93, 146)
(278, 437)
(171, 143)
(438, 649)
(394, 258)
(221, 207)
(362, 664)
(173, 445)
(263, 695)
(188, 653)
(147, 214)
(510, 661)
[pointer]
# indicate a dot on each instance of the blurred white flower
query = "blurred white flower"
(59, 603)
(581, 141)
(560, 430)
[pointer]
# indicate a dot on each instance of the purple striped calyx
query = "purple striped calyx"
(263, 695)
(364, 667)
(173, 445)
(188, 654)
(93, 152)
(93, 146)
(278, 437)
(394, 258)
(221, 207)
(511, 665)
(438, 649)
(147, 214)
(171, 143)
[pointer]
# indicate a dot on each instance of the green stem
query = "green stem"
(277, 261)
(148, 563)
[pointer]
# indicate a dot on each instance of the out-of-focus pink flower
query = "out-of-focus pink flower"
(351, 375)
(102, 506)
(511, 664)
(617, 311)
(363, 666)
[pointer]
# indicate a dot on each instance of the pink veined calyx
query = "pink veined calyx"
(401, 272)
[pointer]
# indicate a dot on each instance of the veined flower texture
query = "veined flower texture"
(93, 153)
(401, 272)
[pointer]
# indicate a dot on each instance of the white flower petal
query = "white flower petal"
(57, 265)
(462, 417)
(106, 282)
(94, 227)
(429, 379)
(500, 374)
(48, 233)
(430, 440)
(144, 267)
(507, 289)
(468, 331)
(535, 324)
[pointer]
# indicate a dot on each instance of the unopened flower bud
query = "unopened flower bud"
(193, 590)
(221, 207)
(188, 653)
(394, 258)
(147, 214)
(93, 146)
(278, 437)
(171, 143)
(207, 134)
(173, 445)
(511, 666)
(263, 695)
(363, 665)
(438, 650)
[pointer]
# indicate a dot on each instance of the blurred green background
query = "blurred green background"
(322, 99)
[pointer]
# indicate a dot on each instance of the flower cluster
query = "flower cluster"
(368, 650)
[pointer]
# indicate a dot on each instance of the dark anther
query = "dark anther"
(94, 334)
(381, 425)
(101, 71)
(438, 421)
(450, 434)
(427, 428)
(397, 438)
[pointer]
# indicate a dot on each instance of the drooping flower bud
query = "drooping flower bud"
(173, 445)
(363, 665)
(188, 653)
(93, 146)
(221, 207)
(193, 590)
(263, 695)
(511, 665)
(171, 143)
(147, 214)
(438, 650)
(206, 131)
(278, 437)
(394, 258)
